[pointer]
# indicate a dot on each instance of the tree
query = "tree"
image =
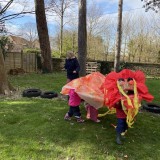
(11, 15)
(126, 30)
(3, 10)
(69, 43)
(60, 7)
(97, 25)
(144, 48)
(5, 86)
(6, 16)
(3, 43)
(119, 37)
(29, 32)
(151, 4)
(94, 20)
(156, 23)
(82, 37)
(43, 36)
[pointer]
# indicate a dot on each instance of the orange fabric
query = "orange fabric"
(88, 88)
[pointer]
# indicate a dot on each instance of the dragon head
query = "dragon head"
(127, 87)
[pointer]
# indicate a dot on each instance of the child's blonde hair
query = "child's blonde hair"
(70, 54)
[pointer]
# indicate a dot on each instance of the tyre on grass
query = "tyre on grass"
(49, 94)
(31, 92)
(152, 107)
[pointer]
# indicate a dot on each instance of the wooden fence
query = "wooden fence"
(91, 67)
(27, 62)
(58, 65)
(106, 67)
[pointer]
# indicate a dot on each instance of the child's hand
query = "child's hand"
(74, 71)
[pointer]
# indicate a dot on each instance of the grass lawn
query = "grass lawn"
(34, 128)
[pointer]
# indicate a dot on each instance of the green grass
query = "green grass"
(34, 128)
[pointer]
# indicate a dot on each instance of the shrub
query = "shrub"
(31, 50)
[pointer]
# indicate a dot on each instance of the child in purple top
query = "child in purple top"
(74, 102)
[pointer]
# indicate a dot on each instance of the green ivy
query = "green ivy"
(3, 44)
(31, 50)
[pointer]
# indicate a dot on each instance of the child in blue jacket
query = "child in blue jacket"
(72, 66)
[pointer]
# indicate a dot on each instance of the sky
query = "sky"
(109, 8)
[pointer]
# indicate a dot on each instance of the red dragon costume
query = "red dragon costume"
(98, 90)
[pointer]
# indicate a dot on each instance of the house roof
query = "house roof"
(18, 43)
(18, 40)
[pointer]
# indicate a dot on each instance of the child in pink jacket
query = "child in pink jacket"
(74, 102)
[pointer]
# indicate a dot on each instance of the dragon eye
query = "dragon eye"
(121, 79)
(129, 79)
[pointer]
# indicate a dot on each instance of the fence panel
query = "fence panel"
(27, 62)
(13, 60)
(91, 67)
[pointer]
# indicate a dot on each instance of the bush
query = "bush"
(125, 65)
(55, 54)
(106, 67)
(31, 50)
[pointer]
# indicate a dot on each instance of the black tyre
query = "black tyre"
(31, 93)
(152, 107)
(49, 94)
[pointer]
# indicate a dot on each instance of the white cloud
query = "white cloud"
(12, 28)
(130, 4)
(133, 4)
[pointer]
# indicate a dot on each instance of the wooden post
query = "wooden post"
(21, 59)
(35, 63)
(13, 60)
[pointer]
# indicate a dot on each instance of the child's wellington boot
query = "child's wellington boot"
(123, 136)
(118, 139)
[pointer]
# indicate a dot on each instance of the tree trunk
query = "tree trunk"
(5, 87)
(82, 37)
(61, 32)
(73, 42)
(61, 38)
(119, 37)
(124, 51)
(43, 36)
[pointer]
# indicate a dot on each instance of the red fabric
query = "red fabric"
(111, 92)
(119, 111)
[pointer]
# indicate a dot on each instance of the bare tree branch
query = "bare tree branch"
(15, 15)
(12, 16)
(6, 7)
(151, 4)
